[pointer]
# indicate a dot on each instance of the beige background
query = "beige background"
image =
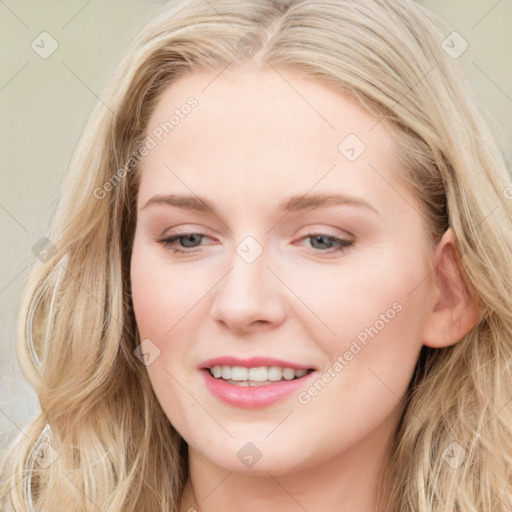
(44, 104)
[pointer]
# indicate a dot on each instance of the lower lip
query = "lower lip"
(251, 397)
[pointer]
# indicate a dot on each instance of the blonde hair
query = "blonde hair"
(113, 447)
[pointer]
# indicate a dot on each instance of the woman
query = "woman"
(254, 369)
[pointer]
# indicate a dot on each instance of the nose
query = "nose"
(249, 297)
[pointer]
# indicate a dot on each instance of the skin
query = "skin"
(252, 142)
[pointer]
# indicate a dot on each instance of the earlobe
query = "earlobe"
(453, 310)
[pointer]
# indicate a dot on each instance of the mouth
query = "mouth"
(254, 382)
(256, 376)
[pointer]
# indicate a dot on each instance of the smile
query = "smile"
(258, 376)
(253, 387)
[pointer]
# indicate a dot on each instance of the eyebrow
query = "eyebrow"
(292, 204)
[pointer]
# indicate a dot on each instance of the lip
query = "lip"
(251, 362)
(253, 397)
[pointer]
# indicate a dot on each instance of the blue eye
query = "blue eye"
(188, 243)
(168, 242)
(339, 243)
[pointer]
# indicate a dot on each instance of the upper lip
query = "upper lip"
(251, 362)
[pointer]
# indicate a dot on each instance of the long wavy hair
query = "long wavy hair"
(111, 446)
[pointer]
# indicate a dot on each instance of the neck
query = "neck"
(347, 482)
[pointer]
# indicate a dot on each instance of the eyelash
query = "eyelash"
(343, 244)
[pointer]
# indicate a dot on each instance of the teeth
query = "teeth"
(226, 372)
(261, 375)
(275, 373)
(239, 373)
(258, 374)
(288, 373)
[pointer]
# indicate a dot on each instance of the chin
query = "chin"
(259, 458)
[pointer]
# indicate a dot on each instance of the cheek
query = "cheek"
(144, 288)
(350, 301)
(370, 363)
(158, 292)
(162, 305)
(157, 307)
(377, 314)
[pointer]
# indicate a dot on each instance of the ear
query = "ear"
(453, 311)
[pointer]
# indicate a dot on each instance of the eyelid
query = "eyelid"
(342, 242)
(185, 230)
(320, 230)
(326, 230)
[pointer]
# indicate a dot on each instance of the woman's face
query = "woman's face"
(273, 276)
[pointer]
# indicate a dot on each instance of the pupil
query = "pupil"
(189, 238)
(320, 237)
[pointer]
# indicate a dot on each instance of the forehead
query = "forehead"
(272, 132)
(267, 102)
